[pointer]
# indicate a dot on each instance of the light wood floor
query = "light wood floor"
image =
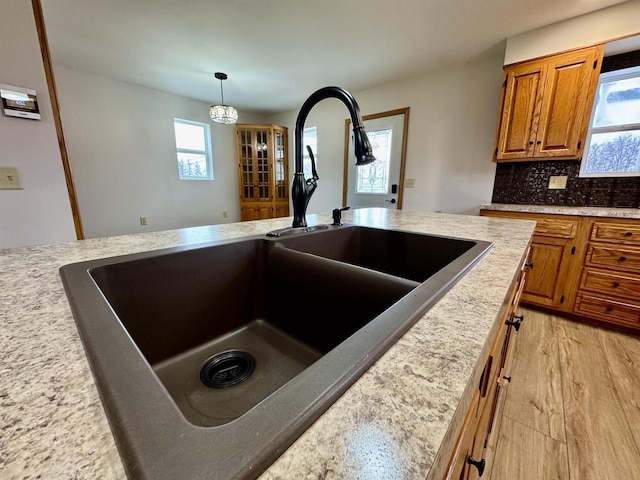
(572, 408)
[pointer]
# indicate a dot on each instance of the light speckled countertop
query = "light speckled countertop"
(388, 425)
(560, 210)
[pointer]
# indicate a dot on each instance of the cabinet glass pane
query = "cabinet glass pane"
(262, 154)
(281, 171)
(246, 161)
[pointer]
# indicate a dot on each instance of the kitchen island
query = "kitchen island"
(390, 424)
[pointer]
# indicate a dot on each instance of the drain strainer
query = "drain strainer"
(227, 369)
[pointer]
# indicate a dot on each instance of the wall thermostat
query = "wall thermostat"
(19, 102)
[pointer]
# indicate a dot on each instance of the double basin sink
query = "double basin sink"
(212, 359)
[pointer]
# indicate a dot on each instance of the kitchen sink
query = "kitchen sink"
(212, 359)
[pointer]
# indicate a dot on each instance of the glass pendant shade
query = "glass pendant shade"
(223, 114)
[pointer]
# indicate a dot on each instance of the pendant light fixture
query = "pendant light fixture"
(223, 113)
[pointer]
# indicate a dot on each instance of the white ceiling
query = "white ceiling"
(277, 52)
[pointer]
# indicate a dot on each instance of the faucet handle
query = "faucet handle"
(314, 172)
(337, 215)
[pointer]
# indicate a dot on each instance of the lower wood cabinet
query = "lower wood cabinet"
(256, 211)
(609, 288)
(585, 266)
(471, 457)
(555, 255)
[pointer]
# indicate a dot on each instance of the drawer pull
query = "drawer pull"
(615, 284)
(530, 265)
(479, 464)
(628, 234)
(508, 379)
(517, 323)
(622, 259)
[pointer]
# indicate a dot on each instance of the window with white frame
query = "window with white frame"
(613, 139)
(193, 148)
(309, 137)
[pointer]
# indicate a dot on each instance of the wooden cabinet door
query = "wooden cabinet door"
(569, 89)
(546, 106)
(256, 211)
(282, 210)
(263, 164)
(255, 169)
(545, 281)
(264, 211)
(248, 213)
(246, 164)
(521, 103)
(281, 168)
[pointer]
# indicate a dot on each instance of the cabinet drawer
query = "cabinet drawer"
(608, 310)
(615, 258)
(616, 232)
(556, 227)
(610, 283)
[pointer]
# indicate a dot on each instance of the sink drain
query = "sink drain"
(227, 369)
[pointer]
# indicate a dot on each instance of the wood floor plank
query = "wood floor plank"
(525, 454)
(623, 356)
(534, 396)
(600, 444)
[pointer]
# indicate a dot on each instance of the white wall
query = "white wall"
(451, 135)
(122, 151)
(590, 29)
(41, 212)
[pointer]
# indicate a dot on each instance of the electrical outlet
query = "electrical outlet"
(9, 179)
(409, 183)
(558, 182)
(143, 220)
(224, 214)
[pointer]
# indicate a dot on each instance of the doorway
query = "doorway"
(379, 184)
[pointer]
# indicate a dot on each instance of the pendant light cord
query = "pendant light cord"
(221, 92)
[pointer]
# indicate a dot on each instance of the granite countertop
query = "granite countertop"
(560, 210)
(388, 425)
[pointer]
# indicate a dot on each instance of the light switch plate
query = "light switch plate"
(9, 179)
(558, 182)
(409, 183)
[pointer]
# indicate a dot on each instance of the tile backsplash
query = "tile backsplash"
(527, 183)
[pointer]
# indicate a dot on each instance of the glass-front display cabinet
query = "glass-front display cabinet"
(263, 171)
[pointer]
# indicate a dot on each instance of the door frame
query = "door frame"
(405, 132)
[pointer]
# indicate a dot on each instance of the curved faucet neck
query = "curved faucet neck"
(316, 97)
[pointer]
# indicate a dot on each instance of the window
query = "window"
(193, 147)
(374, 178)
(613, 139)
(309, 137)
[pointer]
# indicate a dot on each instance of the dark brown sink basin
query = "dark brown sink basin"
(214, 358)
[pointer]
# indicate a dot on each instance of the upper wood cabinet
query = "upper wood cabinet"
(546, 106)
(263, 171)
